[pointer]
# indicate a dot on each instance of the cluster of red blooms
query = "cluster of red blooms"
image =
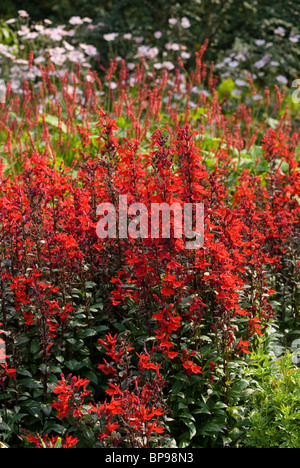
(131, 415)
(54, 268)
(70, 396)
(44, 441)
(135, 396)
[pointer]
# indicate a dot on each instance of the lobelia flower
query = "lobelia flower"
(44, 441)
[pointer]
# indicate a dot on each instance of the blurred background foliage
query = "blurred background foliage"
(231, 26)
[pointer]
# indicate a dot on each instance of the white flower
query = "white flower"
(22, 62)
(280, 31)
(31, 35)
(260, 42)
(138, 39)
(234, 64)
(90, 78)
(142, 50)
(282, 79)
(55, 35)
(263, 62)
(47, 21)
(39, 59)
(185, 22)
(75, 20)
(87, 20)
(57, 55)
(274, 64)
(69, 46)
(89, 49)
(158, 34)
(168, 65)
(132, 81)
(15, 85)
(76, 56)
(173, 21)
(30, 75)
(152, 53)
(112, 85)
(39, 27)
(240, 56)
(110, 37)
(185, 55)
(11, 21)
(175, 46)
(157, 66)
(257, 97)
(23, 31)
(294, 38)
(23, 14)
(240, 82)
(127, 36)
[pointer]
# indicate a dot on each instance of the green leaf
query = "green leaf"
(74, 365)
(184, 443)
(191, 426)
(31, 383)
(87, 333)
(177, 387)
(53, 120)
(210, 428)
(21, 340)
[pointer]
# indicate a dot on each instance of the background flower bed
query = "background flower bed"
(261, 37)
(163, 344)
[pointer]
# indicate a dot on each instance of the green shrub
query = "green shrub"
(274, 407)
